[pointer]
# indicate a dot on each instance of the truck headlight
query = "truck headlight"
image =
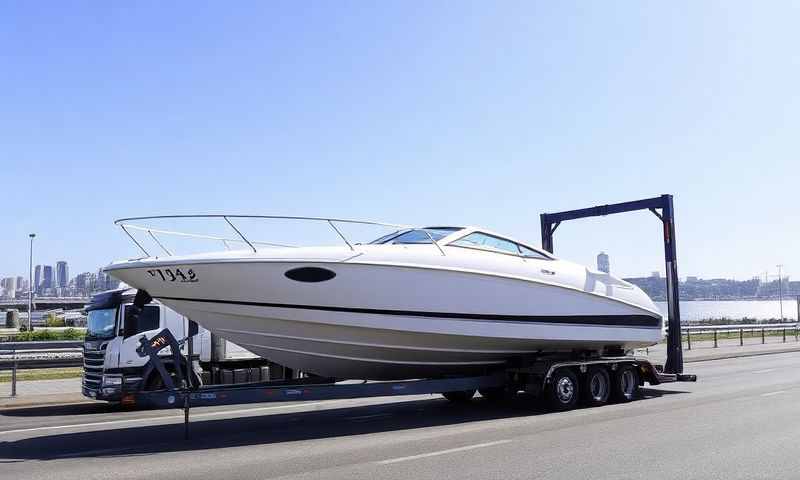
(112, 380)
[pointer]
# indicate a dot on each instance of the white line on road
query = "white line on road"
(443, 452)
(176, 416)
(766, 370)
(773, 393)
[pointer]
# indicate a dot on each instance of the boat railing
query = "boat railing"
(135, 224)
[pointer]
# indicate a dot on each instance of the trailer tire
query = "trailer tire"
(561, 393)
(461, 396)
(596, 386)
(625, 385)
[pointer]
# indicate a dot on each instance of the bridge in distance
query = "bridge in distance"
(45, 303)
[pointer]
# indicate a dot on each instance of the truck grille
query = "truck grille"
(93, 368)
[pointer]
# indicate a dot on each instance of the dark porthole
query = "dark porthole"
(310, 274)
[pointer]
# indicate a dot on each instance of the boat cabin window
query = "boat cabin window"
(413, 236)
(530, 253)
(485, 241)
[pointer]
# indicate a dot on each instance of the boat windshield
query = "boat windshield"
(415, 236)
(100, 323)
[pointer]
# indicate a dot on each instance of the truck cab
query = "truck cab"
(112, 366)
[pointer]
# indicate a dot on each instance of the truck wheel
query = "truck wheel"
(562, 392)
(463, 396)
(596, 387)
(625, 386)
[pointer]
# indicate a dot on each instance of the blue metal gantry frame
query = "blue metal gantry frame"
(551, 221)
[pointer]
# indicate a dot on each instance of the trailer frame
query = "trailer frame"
(551, 221)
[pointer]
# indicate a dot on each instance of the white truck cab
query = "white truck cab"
(112, 367)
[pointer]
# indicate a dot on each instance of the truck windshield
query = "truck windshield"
(101, 323)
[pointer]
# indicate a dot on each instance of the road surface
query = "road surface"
(739, 421)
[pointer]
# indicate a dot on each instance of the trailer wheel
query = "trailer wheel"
(625, 386)
(462, 396)
(596, 387)
(562, 392)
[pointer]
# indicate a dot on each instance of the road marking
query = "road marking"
(766, 370)
(176, 416)
(773, 393)
(443, 452)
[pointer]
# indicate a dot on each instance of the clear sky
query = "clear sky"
(484, 113)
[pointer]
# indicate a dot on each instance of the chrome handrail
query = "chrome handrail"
(124, 225)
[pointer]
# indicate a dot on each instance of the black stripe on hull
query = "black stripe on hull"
(594, 320)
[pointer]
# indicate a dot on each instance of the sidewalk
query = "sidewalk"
(42, 392)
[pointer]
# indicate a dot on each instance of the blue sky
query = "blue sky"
(483, 113)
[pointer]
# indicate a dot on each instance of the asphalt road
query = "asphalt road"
(739, 421)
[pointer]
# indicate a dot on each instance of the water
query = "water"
(735, 309)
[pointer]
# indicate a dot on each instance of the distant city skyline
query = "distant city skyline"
(56, 281)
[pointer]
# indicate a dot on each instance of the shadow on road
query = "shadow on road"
(267, 429)
(60, 410)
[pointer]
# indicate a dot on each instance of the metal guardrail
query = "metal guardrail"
(762, 328)
(14, 363)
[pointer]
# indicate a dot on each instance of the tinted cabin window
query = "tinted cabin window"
(418, 235)
(528, 253)
(488, 242)
(310, 274)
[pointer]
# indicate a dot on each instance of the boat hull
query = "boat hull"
(378, 321)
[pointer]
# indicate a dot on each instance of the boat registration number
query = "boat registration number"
(173, 275)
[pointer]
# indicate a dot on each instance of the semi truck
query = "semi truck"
(112, 368)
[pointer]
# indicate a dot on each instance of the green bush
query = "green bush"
(54, 321)
(42, 334)
(73, 334)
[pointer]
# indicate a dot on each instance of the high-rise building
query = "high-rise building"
(62, 274)
(20, 284)
(9, 285)
(85, 283)
(37, 278)
(603, 262)
(48, 280)
(100, 283)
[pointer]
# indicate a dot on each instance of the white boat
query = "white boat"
(420, 302)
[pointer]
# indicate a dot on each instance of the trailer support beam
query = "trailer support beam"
(550, 221)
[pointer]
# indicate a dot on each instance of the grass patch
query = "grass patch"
(42, 334)
(42, 374)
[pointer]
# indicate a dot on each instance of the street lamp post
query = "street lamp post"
(30, 285)
(780, 289)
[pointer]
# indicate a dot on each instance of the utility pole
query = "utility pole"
(780, 289)
(30, 285)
